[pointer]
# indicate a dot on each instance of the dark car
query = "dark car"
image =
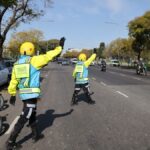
(59, 60)
(9, 65)
(65, 62)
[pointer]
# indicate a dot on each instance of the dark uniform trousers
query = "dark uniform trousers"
(28, 114)
(86, 90)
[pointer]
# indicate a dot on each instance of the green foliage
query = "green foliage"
(120, 49)
(100, 50)
(71, 54)
(139, 30)
(48, 45)
(75, 53)
(17, 39)
(7, 3)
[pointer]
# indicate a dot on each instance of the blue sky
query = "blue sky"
(86, 23)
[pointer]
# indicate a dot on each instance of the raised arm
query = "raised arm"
(39, 61)
(91, 59)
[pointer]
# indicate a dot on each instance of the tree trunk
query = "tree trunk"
(139, 55)
(1, 46)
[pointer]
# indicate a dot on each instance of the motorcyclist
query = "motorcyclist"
(26, 77)
(80, 75)
(141, 67)
(103, 62)
(103, 65)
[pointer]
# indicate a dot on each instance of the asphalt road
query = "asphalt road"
(120, 119)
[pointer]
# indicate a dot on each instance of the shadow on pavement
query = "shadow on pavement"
(44, 121)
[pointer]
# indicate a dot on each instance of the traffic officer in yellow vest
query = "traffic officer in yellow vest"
(80, 75)
(26, 77)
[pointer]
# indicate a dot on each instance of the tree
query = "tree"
(120, 48)
(34, 36)
(48, 45)
(139, 30)
(75, 53)
(14, 12)
(71, 54)
(100, 49)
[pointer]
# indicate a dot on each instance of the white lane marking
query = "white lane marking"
(103, 83)
(12, 125)
(137, 78)
(112, 72)
(123, 75)
(93, 78)
(122, 94)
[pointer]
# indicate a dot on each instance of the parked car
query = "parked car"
(4, 73)
(74, 60)
(65, 62)
(115, 62)
(59, 60)
(9, 64)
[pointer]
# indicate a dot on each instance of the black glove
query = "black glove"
(95, 51)
(12, 100)
(61, 42)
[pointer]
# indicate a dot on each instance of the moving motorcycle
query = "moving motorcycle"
(141, 70)
(103, 66)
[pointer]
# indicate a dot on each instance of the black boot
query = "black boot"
(35, 134)
(11, 143)
(12, 146)
(89, 99)
(74, 100)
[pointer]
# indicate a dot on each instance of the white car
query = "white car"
(115, 62)
(74, 60)
(4, 74)
(93, 63)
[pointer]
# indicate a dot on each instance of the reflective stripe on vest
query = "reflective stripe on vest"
(83, 79)
(29, 90)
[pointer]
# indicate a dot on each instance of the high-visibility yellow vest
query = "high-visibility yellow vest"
(79, 69)
(22, 70)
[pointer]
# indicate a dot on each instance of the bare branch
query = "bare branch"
(14, 17)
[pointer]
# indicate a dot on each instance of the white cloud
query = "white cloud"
(74, 8)
(114, 5)
(96, 6)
